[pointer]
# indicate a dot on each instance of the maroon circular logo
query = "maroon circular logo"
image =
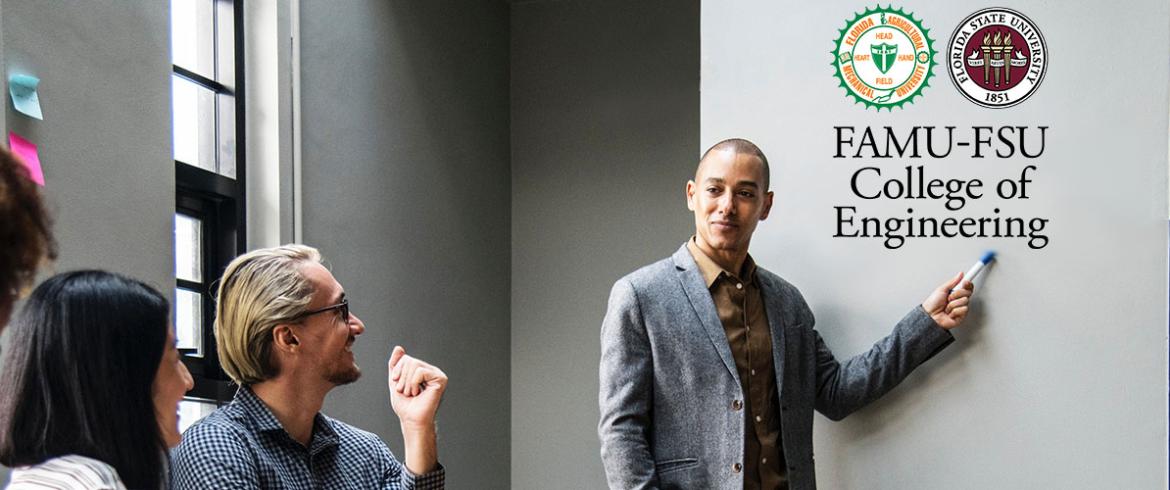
(997, 57)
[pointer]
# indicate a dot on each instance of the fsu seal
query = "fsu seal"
(997, 57)
(884, 58)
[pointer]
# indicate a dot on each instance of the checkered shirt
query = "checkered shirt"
(243, 446)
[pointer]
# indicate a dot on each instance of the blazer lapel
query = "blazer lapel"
(777, 322)
(692, 283)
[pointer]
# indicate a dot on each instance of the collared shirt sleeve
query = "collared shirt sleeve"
(397, 477)
(70, 472)
(212, 456)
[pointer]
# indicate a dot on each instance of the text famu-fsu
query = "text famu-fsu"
(911, 182)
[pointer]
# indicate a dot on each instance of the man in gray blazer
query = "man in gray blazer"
(710, 366)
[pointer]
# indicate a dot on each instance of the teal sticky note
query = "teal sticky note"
(23, 89)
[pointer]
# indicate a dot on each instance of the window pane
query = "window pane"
(227, 135)
(188, 248)
(189, 320)
(226, 42)
(191, 411)
(194, 123)
(193, 35)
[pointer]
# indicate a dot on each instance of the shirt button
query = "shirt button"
(736, 467)
(758, 418)
(764, 461)
(736, 405)
(753, 372)
(739, 285)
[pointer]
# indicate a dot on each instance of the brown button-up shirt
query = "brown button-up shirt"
(741, 310)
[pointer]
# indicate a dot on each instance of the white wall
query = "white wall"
(1059, 378)
(269, 31)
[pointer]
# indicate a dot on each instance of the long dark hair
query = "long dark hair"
(78, 374)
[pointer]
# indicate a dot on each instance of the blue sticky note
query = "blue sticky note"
(23, 89)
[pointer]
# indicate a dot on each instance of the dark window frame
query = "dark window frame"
(219, 202)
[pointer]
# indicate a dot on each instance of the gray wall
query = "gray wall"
(604, 137)
(1059, 378)
(105, 142)
(406, 192)
(415, 215)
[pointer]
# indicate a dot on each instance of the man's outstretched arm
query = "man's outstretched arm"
(843, 388)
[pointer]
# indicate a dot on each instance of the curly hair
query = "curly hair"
(25, 229)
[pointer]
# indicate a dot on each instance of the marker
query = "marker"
(974, 271)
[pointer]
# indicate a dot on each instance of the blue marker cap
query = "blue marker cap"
(978, 267)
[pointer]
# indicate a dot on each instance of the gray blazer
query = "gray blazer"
(670, 398)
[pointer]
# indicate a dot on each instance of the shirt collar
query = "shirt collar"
(256, 411)
(254, 408)
(711, 270)
(323, 435)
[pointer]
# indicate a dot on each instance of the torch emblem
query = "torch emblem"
(998, 57)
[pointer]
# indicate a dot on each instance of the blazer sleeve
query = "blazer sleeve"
(844, 387)
(626, 392)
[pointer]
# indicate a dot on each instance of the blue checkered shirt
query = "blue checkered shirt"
(243, 446)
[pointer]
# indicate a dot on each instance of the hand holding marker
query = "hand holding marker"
(947, 305)
(976, 269)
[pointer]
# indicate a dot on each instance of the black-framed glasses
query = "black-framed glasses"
(342, 308)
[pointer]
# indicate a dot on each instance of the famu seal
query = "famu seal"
(997, 57)
(884, 58)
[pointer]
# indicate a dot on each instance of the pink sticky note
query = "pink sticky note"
(26, 151)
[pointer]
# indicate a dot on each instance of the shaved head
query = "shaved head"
(729, 197)
(742, 147)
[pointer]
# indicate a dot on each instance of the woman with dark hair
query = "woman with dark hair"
(24, 231)
(91, 386)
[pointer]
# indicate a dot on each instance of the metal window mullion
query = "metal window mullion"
(218, 133)
(238, 27)
(216, 73)
(196, 287)
(203, 81)
(215, 54)
(203, 181)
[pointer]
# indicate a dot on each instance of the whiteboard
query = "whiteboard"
(1058, 379)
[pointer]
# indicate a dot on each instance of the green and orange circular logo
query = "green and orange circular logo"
(884, 58)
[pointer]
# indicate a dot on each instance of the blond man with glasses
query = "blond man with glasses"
(284, 332)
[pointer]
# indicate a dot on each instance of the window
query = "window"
(203, 86)
(207, 118)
